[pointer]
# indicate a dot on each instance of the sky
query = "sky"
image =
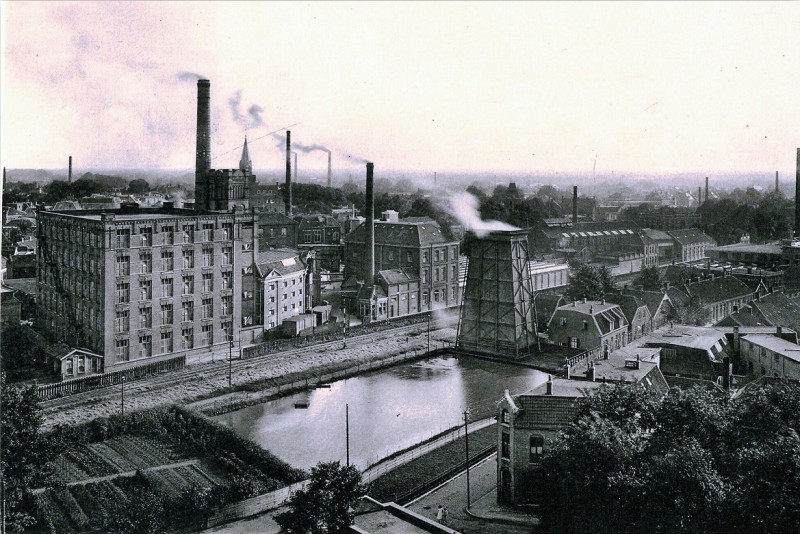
(652, 87)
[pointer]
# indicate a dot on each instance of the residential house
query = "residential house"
(285, 283)
(636, 312)
(769, 355)
(691, 244)
(589, 324)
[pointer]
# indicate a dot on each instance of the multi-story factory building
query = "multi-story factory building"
(135, 284)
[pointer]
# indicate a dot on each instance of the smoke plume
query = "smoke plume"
(252, 119)
(186, 76)
(464, 207)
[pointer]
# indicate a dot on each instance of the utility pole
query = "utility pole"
(230, 360)
(429, 331)
(466, 446)
(344, 329)
(347, 430)
(123, 394)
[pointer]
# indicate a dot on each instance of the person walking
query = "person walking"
(439, 512)
(444, 515)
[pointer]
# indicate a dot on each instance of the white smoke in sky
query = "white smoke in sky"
(464, 207)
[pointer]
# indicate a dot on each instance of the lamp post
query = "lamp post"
(123, 395)
(347, 430)
(536, 324)
(344, 328)
(230, 359)
(466, 447)
(429, 331)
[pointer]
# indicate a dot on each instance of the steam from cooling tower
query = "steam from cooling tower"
(464, 207)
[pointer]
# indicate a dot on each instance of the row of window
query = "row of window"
(123, 264)
(166, 346)
(188, 233)
(535, 448)
(145, 316)
(123, 289)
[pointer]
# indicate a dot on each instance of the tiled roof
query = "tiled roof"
(316, 221)
(396, 276)
(719, 289)
(538, 409)
(652, 299)
(402, 233)
(272, 217)
(775, 344)
(282, 260)
(25, 285)
(779, 310)
(690, 236)
(630, 304)
(656, 235)
(696, 337)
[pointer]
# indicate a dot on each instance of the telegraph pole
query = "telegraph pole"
(466, 446)
(347, 430)
(230, 359)
(123, 394)
(429, 331)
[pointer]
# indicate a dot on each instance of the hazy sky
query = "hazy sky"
(539, 87)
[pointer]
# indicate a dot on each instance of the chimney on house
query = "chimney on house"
(779, 331)
(549, 385)
(288, 193)
(590, 373)
(574, 204)
(69, 173)
(369, 271)
(726, 373)
(736, 340)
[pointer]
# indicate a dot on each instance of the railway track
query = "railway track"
(215, 375)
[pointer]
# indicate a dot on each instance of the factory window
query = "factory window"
(146, 258)
(146, 234)
(207, 334)
(227, 230)
(207, 308)
(123, 292)
(536, 447)
(436, 255)
(208, 256)
(226, 255)
(123, 321)
(187, 338)
(436, 274)
(123, 265)
(166, 342)
(122, 350)
(188, 285)
(123, 238)
(226, 280)
(187, 311)
(167, 260)
(425, 299)
(455, 272)
(425, 256)
(166, 287)
(145, 317)
(227, 327)
(166, 314)
(145, 346)
(167, 231)
(227, 304)
(188, 258)
(188, 233)
(146, 289)
(208, 282)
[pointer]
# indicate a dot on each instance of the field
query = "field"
(166, 467)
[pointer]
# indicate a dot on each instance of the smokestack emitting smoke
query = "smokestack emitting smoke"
(574, 204)
(288, 192)
(706, 188)
(369, 272)
(329, 168)
(69, 173)
(203, 154)
(464, 207)
(797, 197)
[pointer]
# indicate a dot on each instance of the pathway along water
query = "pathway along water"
(390, 410)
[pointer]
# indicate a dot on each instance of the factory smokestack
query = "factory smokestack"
(699, 196)
(69, 173)
(706, 188)
(288, 193)
(329, 168)
(203, 153)
(295, 167)
(369, 270)
(797, 197)
(574, 204)
(777, 189)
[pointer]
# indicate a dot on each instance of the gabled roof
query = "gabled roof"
(402, 233)
(371, 292)
(601, 314)
(630, 304)
(718, 289)
(396, 276)
(282, 261)
(316, 220)
(657, 235)
(652, 299)
(776, 345)
(273, 217)
(690, 236)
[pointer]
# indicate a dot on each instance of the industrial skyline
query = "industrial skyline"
(470, 87)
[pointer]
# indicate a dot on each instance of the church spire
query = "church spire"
(245, 164)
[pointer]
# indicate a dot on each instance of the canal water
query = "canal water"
(389, 410)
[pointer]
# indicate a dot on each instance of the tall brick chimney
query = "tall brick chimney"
(69, 173)
(329, 168)
(203, 153)
(288, 192)
(777, 189)
(706, 188)
(797, 197)
(574, 204)
(369, 267)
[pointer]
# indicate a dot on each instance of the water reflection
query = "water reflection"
(390, 410)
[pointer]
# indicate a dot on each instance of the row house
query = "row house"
(589, 324)
(770, 355)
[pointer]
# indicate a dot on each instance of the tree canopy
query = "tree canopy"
(589, 281)
(649, 279)
(693, 461)
(326, 504)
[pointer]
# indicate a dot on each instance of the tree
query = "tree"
(649, 279)
(326, 504)
(138, 186)
(589, 281)
(24, 456)
(17, 349)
